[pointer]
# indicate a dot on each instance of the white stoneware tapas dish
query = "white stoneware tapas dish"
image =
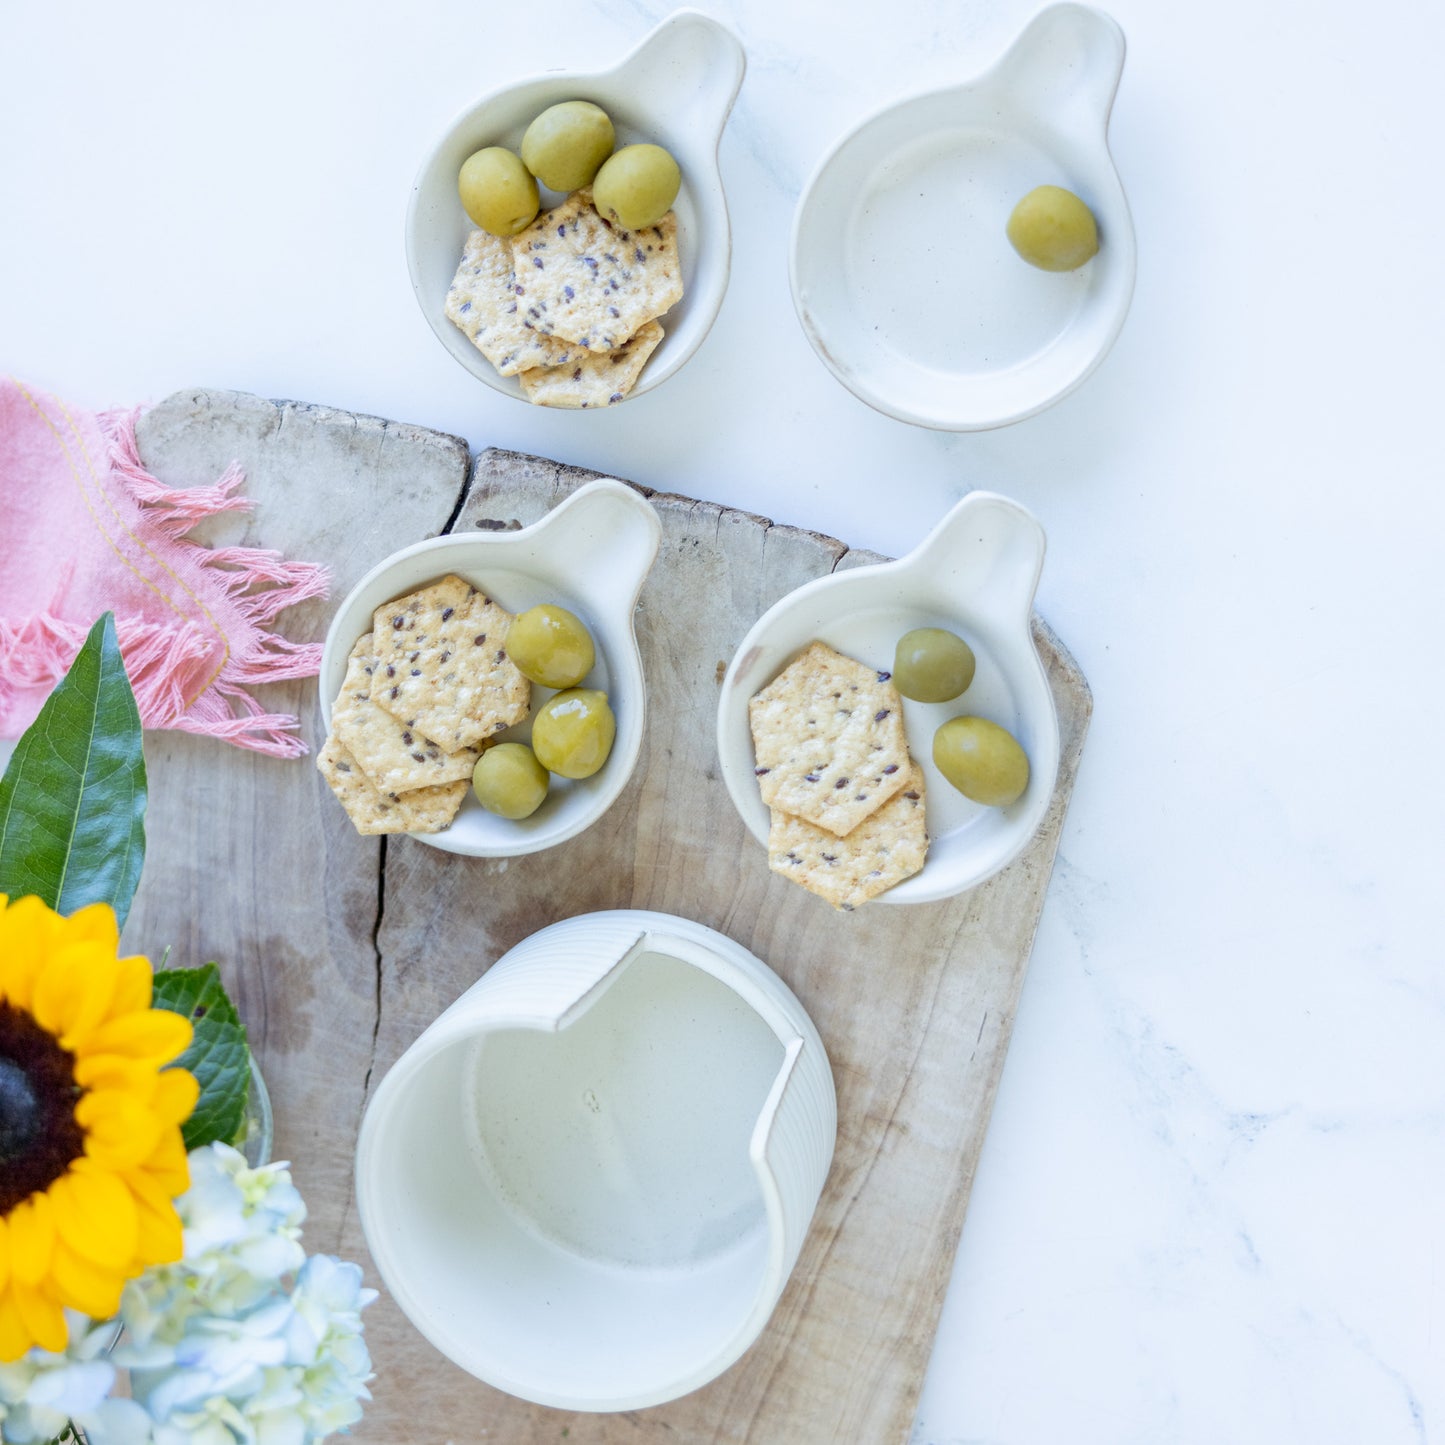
(676, 90)
(902, 273)
(976, 575)
(591, 555)
(589, 1180)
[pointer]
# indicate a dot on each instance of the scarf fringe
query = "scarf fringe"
(166, 663)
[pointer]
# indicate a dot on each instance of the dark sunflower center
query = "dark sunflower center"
(38, 1133)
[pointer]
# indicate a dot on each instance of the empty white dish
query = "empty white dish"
(588, 1181)
(975, 574)
(902, 274)
(676, 89)
(590, 554)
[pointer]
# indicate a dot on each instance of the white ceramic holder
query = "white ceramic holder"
(902, 274)
(975, 574)
(676, 89)
(590, 554)
(589, 1180)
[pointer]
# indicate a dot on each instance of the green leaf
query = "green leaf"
(218, 1055)
(73, 800)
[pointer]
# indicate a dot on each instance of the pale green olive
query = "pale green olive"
(566, 144)
(509, 781)
(637, 186)
(551, 646)
(932, 665)
(1051, 228)
(497, 191)
(982, 760)
(573, 732)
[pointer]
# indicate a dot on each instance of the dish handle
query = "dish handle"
(1066, 65)
(608, 534)
(989, 547)
(690, 67)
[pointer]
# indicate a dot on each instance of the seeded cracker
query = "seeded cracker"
(592, 379)
(483, 303)
(828, 735)
(423, 810)
(583, 280)
(442, 664)
(393, 754)
(881, 851)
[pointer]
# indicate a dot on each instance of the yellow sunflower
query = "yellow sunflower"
(91, 1156)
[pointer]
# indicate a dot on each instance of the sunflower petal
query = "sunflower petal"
(155, 1034)
(32, 1240)
(119, 1130)
(4, 1242)
(60, 988)
(84, 1286)
(42, 1317)
(175, 1097)
(95, 1216)
(97, 1071)
(27, 932)
(92, 984)
(95, 923)
(134, 986)
(161, 1239)
(168, 1164)
(14, 1336)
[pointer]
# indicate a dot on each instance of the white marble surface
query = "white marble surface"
(1212, 1203)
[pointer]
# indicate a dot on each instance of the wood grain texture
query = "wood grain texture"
(338, 969)
(914, 1005)
(248, 860)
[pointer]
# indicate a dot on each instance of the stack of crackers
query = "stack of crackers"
(570, 305)
(833, 766)
(426, 690)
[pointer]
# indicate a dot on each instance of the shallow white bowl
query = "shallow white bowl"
(902, 274)
(675, 89)
(590, 554)
(589, 1180)
(975, 574)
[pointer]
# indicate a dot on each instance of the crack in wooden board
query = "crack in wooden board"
(916, 1031)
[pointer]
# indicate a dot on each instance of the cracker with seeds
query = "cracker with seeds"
(882, 850)
(828, 735)
(393, 753)
(421, 810)
(592, 378)
(482, 301)
(579, 278)
(442, 665)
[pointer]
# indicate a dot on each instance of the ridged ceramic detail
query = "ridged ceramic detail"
(799, 1148)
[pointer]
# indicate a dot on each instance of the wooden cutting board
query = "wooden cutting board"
(340, 949)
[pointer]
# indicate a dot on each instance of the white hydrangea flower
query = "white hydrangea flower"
(220, 1349)
(43, 1391)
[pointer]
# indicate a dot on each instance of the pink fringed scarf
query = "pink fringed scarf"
(85, 529)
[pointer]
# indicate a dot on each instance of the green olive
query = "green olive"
(982, 760)
(498, 191)
(1051, 228)
(932, 665)
(637, 186)
(551, 646)
(573, 732)
(566, 144)
(509, 781)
